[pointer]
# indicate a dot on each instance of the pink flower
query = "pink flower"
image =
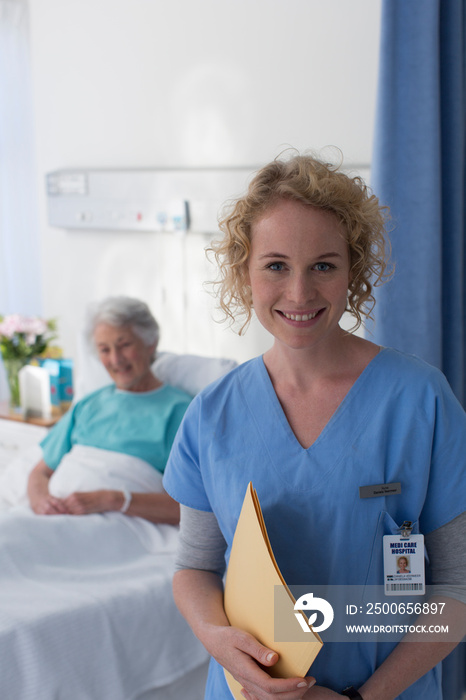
(30, 325)
(12, 324)
(33, 327)
(36, 325)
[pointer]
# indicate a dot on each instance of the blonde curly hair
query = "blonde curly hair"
(311, 181)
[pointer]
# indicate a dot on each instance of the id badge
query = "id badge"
(403, 565)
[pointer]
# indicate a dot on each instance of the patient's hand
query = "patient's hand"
(84, 502)
(40, 500)
(154, 507)
(78, 503)
(47, 505)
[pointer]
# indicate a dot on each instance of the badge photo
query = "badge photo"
(403, 563)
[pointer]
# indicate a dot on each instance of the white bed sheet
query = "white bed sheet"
(86, 606)
(87, 613)
(16, 438)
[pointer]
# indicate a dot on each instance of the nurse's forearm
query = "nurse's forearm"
(199, 597)
(413, 657)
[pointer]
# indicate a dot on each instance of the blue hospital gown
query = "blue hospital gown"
(400, 422)
(140, 424)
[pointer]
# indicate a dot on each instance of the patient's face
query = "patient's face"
(125, 356)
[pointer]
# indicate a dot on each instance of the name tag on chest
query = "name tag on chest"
(375, 490)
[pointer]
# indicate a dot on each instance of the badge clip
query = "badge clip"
(406, 530)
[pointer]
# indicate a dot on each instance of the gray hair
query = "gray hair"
(122, 311)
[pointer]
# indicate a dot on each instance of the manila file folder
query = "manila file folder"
(252, 576)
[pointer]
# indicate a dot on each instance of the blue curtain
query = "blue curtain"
(419, 171)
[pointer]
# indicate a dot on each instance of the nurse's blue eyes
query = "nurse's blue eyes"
(319, 267)
(323, 267)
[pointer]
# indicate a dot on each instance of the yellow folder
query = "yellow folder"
(250, 595)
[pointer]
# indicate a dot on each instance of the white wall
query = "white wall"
(150, 83)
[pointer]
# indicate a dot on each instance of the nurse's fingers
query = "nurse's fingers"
(296, 693)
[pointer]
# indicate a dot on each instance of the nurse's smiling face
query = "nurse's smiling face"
(299, 272)
(125, 356)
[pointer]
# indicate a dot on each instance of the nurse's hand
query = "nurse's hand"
(240, 653)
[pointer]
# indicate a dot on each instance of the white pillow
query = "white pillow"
(192, 373)
(188, 372)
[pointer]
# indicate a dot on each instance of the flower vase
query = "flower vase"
(12, 367)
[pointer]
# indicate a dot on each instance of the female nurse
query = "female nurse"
(321, 414)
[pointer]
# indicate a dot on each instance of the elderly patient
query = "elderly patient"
(137, 415)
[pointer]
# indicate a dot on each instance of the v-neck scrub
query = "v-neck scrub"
(400, 422)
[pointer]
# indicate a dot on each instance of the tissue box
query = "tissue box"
(65, 391)
(61, 380)
(53, 369)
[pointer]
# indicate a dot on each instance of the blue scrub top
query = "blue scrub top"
(400, 422)
(140, 424)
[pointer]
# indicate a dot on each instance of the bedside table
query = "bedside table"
(7, 414)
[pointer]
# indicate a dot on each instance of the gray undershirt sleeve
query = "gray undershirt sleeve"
(446, 548)
(202, 546)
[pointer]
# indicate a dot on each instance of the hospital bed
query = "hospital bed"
(86, 608)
